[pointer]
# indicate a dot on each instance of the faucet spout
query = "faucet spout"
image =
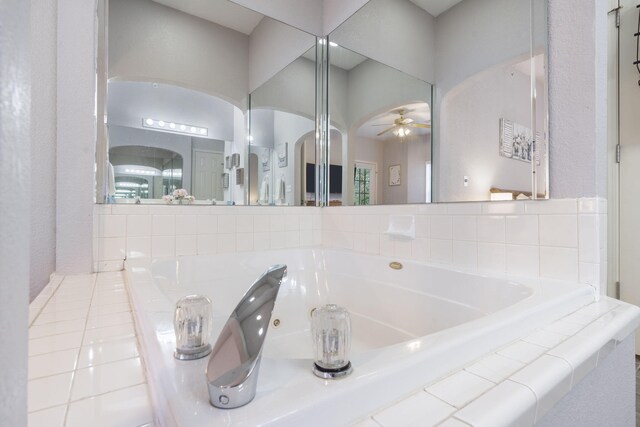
(232, 371)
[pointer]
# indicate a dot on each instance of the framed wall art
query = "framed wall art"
(394, 175)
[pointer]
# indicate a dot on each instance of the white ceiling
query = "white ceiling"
(221, 12)
(435, 7)
(419, 112)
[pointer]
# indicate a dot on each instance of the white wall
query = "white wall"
(476, 35)
(76, 135)
(262, 122)
(290, 128)
(43, 140)
(339, 98)
(368, 150)
(239, 145)
(272, 46)
(148, 41)
(496, 32)
(397, 33)
(472, 149)
(395, 153)
(15, 210)
(418, 154)
(374, 88)
(293, 90)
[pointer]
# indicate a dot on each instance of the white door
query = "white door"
(365, 179)
(629, 134)
(207, 175)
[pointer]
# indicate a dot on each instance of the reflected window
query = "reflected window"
(364, 183)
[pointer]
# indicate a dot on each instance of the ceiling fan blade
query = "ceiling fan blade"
(385, 124)
(405, 121)
(386, 130)
(419, 125)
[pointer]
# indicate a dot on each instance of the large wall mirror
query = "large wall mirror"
(179, 75)
(441, 100)
(425, 101)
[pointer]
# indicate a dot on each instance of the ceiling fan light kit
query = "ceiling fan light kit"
(401, 132)
(401, 126)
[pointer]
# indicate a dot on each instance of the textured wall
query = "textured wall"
(605, 397)
(76, 136)
(43, 144)
(577, 97)
(14, 210)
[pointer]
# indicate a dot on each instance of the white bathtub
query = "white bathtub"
(410, 327)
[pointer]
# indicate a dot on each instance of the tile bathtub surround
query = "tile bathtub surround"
(84, 364)
(520, 383)
(157, 231)
(556, 239)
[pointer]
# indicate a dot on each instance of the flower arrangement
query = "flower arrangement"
(181, 195)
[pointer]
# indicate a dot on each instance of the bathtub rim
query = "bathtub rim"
(394, 358)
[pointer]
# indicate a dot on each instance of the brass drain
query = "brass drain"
(395, 265)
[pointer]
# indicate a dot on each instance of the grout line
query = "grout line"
(105, 393)
(73, 376)
(48, 299)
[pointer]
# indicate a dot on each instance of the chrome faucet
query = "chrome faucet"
(232, 371)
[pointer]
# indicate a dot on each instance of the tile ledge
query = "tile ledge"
(613, 324)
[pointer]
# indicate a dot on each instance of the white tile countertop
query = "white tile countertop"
(84, 366)
(521, 382)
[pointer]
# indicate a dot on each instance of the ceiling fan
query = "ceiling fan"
(401, 126)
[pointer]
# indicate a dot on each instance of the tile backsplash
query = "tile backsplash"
(558, 239)
(144, 231)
